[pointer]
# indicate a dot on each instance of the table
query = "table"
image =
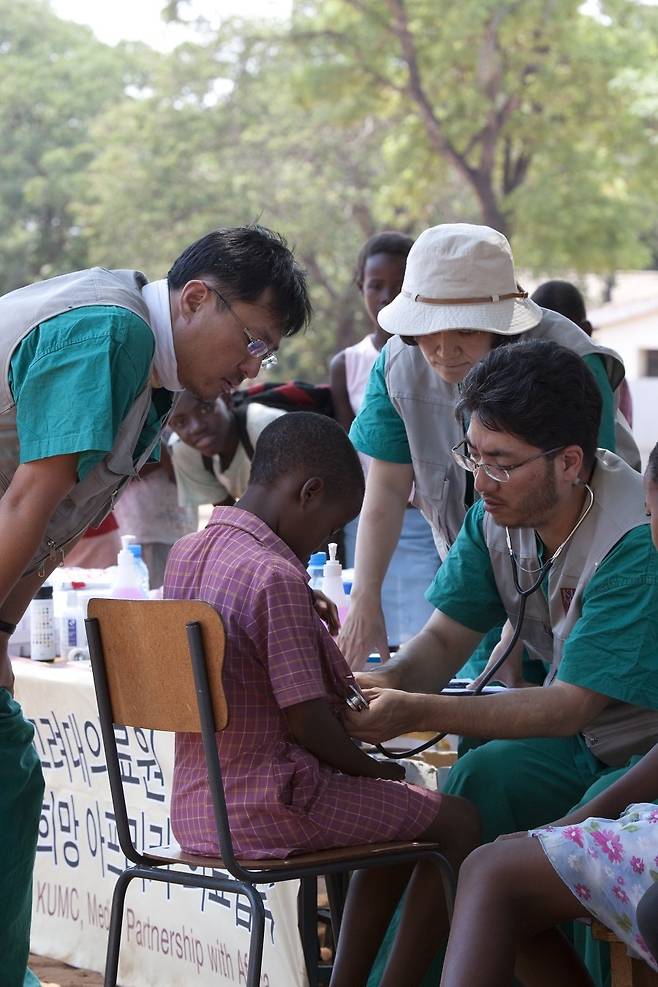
(170, 934)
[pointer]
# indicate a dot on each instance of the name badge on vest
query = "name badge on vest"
(567, 594)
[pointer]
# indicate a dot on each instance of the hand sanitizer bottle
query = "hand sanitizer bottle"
(332, 582)
(315, 569)
(128, 578)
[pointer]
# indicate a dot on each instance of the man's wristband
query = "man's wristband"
(6, 627)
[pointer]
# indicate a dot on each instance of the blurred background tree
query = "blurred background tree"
(55, 78)
(537, 118)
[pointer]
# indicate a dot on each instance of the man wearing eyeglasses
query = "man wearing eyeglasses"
(91, 363)
(557, 513)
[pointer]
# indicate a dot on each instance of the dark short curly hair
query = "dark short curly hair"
(652, 465)
(539, 391)
(387, 242)
(315, 442)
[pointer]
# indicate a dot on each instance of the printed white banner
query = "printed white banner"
(170, 934)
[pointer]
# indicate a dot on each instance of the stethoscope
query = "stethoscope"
(540, 575)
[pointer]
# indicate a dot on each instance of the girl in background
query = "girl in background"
(378, 276)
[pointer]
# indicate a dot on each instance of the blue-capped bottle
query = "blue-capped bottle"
(315, 569)
(136, 550)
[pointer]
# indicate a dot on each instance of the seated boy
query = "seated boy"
(295, 782)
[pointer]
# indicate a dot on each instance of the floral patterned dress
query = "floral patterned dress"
(608, 864)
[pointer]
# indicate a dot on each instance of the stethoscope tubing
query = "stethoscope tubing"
(523, 597)
(541, 573)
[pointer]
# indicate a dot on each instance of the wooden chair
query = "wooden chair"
(624, 970)
(157, 664)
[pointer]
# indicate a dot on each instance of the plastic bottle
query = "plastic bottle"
(332, 582)
(136, 550)
(315, 569)
(127, 582)
(70, 623)
(42, 626)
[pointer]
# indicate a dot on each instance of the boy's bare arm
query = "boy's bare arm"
(315, 727)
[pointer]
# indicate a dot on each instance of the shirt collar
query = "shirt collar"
(235, 517)
(156, 296)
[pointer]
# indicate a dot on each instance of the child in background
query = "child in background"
(378, 276)
(295, 781)
(208, 452)
(149, 510)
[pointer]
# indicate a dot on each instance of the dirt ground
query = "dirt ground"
(52, 973)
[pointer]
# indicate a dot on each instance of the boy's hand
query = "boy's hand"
(327, 610)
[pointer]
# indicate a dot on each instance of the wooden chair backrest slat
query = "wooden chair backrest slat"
(148, 664)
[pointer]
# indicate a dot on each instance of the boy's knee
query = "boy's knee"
(470, 822)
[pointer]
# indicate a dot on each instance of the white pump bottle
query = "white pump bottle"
(332, 582)
(128, 578)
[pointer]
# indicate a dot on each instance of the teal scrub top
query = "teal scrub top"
(379, 431)
(613, 647)
(74, 379)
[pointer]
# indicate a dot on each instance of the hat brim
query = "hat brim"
(406, 317)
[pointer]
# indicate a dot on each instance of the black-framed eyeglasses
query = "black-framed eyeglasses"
(255, 346)
(501, 474)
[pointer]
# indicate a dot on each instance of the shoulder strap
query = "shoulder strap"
(241, 421)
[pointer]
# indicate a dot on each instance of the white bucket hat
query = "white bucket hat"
(460, 276)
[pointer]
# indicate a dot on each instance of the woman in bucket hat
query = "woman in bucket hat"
(459, 299)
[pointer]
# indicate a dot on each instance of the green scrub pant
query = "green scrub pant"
(21, 792)
(517, 785)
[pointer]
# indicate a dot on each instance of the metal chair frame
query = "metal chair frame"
(244, 876)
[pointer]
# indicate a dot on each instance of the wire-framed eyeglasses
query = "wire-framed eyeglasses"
(501, 474)
(255, 346)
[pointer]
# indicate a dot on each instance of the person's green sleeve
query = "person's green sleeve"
(378, 429)
(606, 439)
(613, 647)
(464, 587)
(74, 378)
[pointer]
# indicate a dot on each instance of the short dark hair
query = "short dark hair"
(539, 391)
(562, 297)
(387, 242)
(242, 262)
(315, 442)
(652, 465)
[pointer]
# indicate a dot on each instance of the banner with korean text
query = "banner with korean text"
(170, 934)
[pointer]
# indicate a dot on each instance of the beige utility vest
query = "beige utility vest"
(551, 612)
(22, 310)
(426, 404)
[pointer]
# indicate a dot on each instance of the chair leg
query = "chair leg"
(116, 922)
(449, 885)
(257, 936)
(337, 885)
(308, 926)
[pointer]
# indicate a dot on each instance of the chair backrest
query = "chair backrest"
(147, 661)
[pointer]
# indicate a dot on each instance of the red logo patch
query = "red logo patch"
(567, 596)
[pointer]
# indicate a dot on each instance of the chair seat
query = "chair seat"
(173, 854)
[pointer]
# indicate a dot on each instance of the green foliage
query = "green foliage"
(55, 80)
(355, 116)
